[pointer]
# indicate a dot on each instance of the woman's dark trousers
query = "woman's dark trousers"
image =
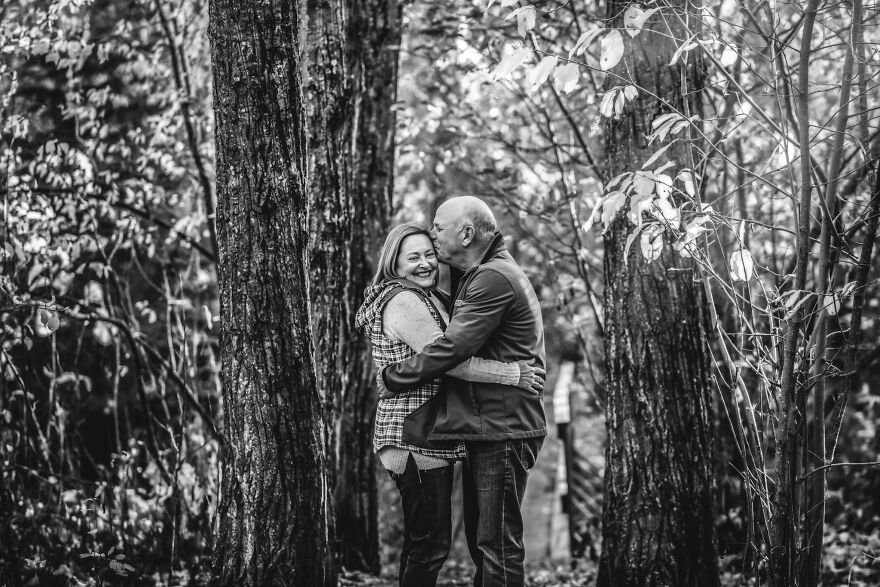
(427, 522)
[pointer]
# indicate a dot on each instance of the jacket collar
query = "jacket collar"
(496, 247)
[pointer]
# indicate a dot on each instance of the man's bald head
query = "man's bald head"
(469, 210)
(463, 231)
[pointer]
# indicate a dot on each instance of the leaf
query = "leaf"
(661, 126)
(508, 3)
(102, 333)
(796, 299)
(848, 289)
(678, 127)
(613, 203)
(541, 72)
(684, 48)
(663, 119)
(93, 293)
(566, 77)
(742, 266)
(619, 103)
(583, 42)
(47, 322)
(687, 245)
(630, 92)
(643, 183)
(606, 106)
(652, 243)
(696, 226)
(666, 212)
(653, 158)
(666, 124)
(209, 318)
(686, 177)
(663, 186)
(35, 271)
(612, 50)
(592, 219)
(511, 62)
(639, 203)
(613, 102)
(634, 19)
(616, 180)
(629, 241)
(832, 307)
(525, 19)
(728, 56)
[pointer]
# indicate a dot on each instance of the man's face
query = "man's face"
(446, 235)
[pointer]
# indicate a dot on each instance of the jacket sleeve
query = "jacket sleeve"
(475, 316)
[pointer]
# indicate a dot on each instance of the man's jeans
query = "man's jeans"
(427, 522)
(494, 482)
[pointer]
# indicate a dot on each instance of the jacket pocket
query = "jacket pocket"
(458, 416)
(418, 424)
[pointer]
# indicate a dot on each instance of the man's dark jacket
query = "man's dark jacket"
(495, 315)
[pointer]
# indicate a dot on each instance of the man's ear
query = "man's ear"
(467, 236)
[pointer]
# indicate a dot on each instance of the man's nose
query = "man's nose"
(433, 234)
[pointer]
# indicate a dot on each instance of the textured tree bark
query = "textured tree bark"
(274, 522)
(352, 88)
(658, 523)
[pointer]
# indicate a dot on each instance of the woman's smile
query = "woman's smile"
(417, 261)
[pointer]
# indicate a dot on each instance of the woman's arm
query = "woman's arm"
(407, 319)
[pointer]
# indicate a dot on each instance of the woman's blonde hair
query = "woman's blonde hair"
(387, 268)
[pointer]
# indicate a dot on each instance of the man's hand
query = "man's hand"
(384, 392)
(531, 378)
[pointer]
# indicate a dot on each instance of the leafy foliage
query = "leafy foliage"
(108, 297)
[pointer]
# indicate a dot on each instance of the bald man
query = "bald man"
(495, 315)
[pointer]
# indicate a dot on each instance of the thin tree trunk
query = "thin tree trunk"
(784, 508)
(658, 523)
(352, 89)
(274, 523)
(814, 521)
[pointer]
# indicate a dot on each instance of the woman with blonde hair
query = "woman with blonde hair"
(403, 311)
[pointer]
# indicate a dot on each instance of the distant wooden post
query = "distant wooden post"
(562, 417)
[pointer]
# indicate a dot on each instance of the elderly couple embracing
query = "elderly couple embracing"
(460, 378)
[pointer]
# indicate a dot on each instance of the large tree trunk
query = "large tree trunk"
(274, 523)
(352, 89)
(658, 511)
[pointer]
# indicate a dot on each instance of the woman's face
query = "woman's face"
(417, 261)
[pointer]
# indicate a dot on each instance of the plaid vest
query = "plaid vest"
(391, 413)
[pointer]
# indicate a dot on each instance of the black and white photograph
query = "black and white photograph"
(417, 293)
